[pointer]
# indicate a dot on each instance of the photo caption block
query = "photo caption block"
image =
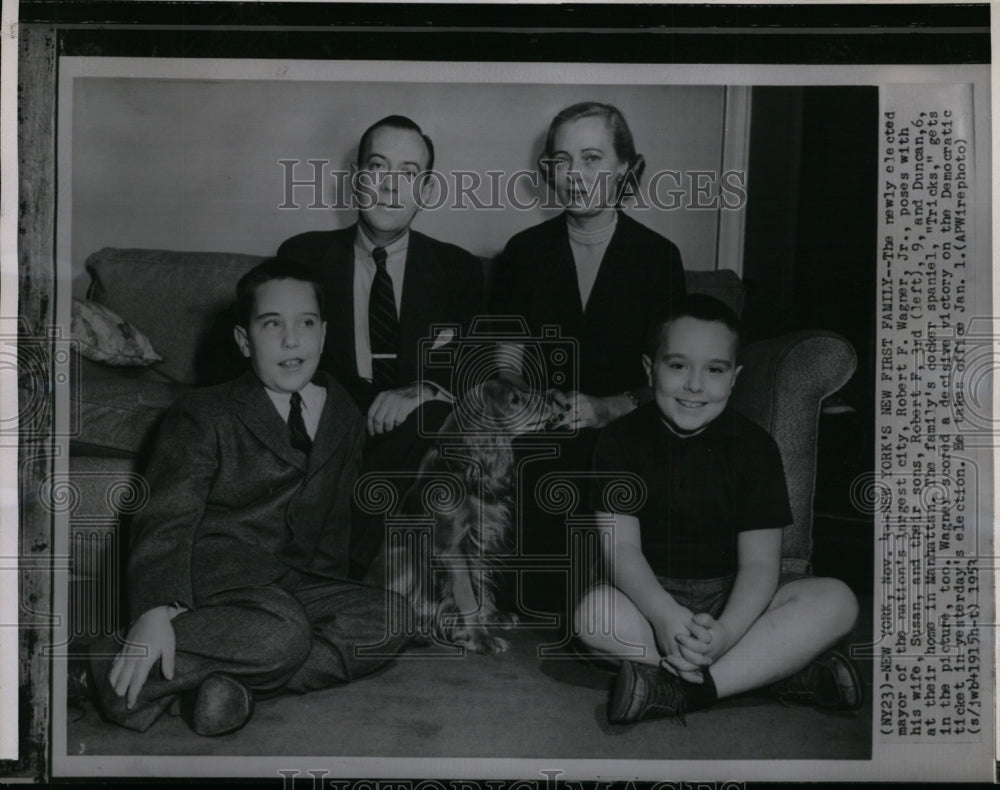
(930, 663)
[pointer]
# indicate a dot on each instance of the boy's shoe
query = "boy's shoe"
(644, 691)
(830, 681)
(222, 705)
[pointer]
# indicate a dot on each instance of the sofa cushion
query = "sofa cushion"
(174, 296)
(118, 414)
(104, 336)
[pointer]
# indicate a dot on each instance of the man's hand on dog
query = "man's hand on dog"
(392, 407)
(153, 631)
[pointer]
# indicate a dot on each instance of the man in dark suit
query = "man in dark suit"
(432, 283)
(237, 571)
(387, 287)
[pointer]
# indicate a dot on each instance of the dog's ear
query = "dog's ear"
(493, 468)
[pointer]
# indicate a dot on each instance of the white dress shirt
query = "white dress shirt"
(313, 400)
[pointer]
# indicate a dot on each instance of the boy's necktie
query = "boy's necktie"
(297, 426)
(383, 325)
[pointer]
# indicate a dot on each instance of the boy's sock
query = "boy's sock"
(700, 695)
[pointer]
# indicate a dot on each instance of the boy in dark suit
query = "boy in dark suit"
(237, 573)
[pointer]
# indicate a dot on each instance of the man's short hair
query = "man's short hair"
(700, 306)
(273, 269)
(395, 122)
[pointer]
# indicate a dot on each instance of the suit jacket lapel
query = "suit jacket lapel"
(338, 273)
(329, 431)
(261, 418)
(421, 288)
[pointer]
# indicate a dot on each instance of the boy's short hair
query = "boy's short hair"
(273, 269)
(395, 122)
(700, 306)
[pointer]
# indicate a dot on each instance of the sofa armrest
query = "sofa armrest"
(781, 387)
(118, 408)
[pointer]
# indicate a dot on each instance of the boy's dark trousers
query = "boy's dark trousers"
(297, 635)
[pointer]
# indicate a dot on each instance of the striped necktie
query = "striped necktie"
(297, 432)
(383, 325)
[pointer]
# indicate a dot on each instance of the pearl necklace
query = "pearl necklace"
(592, 238)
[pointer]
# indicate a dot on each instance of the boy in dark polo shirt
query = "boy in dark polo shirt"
(696, 604)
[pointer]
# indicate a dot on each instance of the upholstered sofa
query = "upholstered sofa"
(176, 298)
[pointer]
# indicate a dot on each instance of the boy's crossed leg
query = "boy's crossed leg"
(805, 617)
(344, 617)
(257, 635)
(266, 639)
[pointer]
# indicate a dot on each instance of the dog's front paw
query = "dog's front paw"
(487, 644)
(504, 620)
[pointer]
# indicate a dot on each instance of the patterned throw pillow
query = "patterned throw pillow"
(106, 337)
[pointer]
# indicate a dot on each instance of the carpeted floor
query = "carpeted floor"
(514, 705)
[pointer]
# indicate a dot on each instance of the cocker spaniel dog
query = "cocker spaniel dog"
(466, 483)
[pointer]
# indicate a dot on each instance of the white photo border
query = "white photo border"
(905, 762)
